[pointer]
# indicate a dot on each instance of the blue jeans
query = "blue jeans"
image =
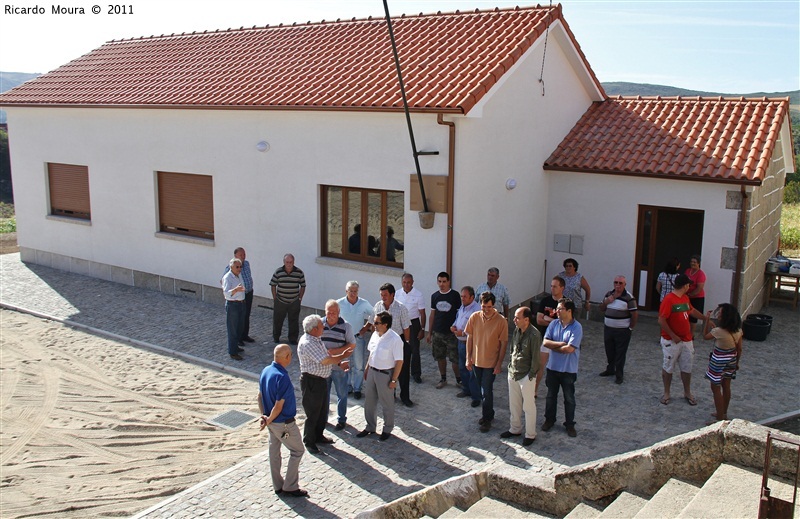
(466, 375)
(234, 320)
(340, 380)
(566, 381)
(484, 379)
(357, 362)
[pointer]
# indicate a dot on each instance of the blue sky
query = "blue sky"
(722, 46)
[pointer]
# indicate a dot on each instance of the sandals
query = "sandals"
(690, 400)
(665, 400)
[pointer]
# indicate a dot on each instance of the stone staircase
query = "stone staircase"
(732, 491)
(708, 473)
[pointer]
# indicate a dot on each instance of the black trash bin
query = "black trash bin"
(755, 329)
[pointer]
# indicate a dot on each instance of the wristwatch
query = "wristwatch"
(393, 382)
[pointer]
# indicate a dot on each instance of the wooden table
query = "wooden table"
(774, 282)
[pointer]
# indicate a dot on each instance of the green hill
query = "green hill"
(643, 89)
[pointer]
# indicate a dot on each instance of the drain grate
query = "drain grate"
(231, 419)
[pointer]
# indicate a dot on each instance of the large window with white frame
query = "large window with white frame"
(365, 225)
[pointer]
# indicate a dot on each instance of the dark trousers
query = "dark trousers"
(405, 373)
(416, 363)
(234, 321)
(616, 341)
(566, 381)
(315, 404)
(248, 305)
(281, 310)
(484, 379)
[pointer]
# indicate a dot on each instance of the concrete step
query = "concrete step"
(583, 511)
(624, 506)
(733, 491)
(451, 513)
(491, 507)
(669, 500)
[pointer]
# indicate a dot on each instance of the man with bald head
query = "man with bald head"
(278, 407)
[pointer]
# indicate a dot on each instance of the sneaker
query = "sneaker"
(475, 403)
(509, 434)
(572, 432)
(462, 394)
(441, 384)
(547, 425)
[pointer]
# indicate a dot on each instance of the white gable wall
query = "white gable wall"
(604, 209)
(266, 202)
(516, 130)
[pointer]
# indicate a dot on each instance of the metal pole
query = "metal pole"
(405, 107)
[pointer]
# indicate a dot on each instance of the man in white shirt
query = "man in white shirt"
(414, 301)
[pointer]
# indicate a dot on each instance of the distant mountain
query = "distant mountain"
(9, 80)
(643, 89)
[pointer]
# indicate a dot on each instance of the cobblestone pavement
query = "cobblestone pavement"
(438, 438)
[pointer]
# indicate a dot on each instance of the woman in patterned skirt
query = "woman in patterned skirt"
(724, 360)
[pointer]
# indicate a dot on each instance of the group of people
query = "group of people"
(337, 353)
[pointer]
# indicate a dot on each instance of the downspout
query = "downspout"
(451, 168)
(737, 274)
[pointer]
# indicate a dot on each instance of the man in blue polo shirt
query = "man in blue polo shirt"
(278, 407)
(563, 339)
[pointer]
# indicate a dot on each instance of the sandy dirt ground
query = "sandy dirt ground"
(95, 428)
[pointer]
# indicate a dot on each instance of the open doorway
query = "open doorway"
(663, 233)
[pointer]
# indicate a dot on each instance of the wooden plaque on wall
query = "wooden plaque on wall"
(435, 191)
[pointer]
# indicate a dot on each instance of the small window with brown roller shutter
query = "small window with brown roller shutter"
(186, 204)
(69, 190)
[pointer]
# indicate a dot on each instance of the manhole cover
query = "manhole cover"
(231, 419)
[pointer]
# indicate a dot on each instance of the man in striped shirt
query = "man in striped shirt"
(338, 334)
(315, 368)
(621, 316)
(288, 285)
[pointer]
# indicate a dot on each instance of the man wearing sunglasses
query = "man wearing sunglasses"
(620, 319)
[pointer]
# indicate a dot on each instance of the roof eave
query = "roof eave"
(651, 175)
(430, 110)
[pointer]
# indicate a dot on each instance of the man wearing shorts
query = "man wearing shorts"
(444, 307)
(676, 338)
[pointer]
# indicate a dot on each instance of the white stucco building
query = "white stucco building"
(148, 161)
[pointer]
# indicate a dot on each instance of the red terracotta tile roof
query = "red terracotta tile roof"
(449, 62)
(691, 138)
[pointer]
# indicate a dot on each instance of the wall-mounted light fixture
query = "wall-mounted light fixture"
(511, 184)
(262, 146)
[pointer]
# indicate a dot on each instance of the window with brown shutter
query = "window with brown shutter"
(69, 190)
(364, 225)
(186, 204)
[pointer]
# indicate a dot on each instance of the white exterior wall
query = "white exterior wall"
(510, 135)
(604, 209)
(266, 202)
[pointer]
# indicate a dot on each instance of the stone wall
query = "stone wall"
(691, 457)
(762, 233)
